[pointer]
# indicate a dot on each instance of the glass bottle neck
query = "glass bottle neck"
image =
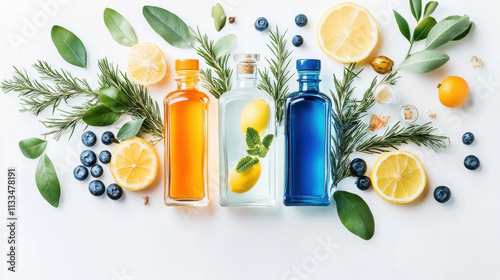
(187, 79)
(308, 80)
(246, 80)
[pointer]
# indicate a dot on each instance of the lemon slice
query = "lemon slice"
(398, 177)
(134, 164)
(146, 64)
(347, 32)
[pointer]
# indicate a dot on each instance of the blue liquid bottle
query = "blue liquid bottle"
(307, 140)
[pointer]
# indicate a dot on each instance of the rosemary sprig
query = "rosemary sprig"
(56, 86)
(221, 82)
(38, 95)
(396, 135)
(350, 133)
(277, 85)
(141, 105)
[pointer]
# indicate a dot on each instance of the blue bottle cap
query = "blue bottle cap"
(309, 64)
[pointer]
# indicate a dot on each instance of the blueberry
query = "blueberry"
(107, 138)
(96, 188)
(301, 20)
(89, 138)
(468, 138)
(114, 191)
(471, 162)
(88, 158)
(105, 156)
(261, 24)
(363, 183)
(81, 172)
(442, 194)
(96, 171)
(297, 40)
(358, 167)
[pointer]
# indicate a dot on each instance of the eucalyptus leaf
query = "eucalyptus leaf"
(129, 130)
(423, 28)
(403, 25)
(120, 28)
(355, 214)
(446, 30)
(416, 8)
(224, 45)
(69, 46)
(464, 34)
(430, 7)
(32, 147)
(100, 115)
(424, 61)
(114, 99)
(47, 181)
(219, 17)
(169, 26)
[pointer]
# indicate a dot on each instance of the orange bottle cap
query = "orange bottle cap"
(187, 64)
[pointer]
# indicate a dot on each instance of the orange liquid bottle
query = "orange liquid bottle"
(186, 139)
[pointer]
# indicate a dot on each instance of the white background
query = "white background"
(97, 238)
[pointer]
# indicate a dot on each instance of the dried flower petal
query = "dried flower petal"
(431, 114)
(377, 122)
(408, 114)
(476, 62)
(145, 200)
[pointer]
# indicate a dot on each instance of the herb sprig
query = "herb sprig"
(218, 64)
(55, 87)
(274, 80)
(257, 148)
(435, 34)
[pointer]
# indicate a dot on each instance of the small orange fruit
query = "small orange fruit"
(453, 91)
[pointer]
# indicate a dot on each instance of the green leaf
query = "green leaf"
(464, 34)
(120, 28)
(416, 8)
(355, 214)
(114, 99)
(169, 26)
(430, 7)
(219, 17)
(403, 25)
(446, 30)
(246, 163)
(69, 46)
(47, 182)
(129, 130)
(32, 147)
(423, 28)
(425, 61)
(100, 115)
(268, 140)
(253, 151)
(224, 45)
(262, 151)
(252, 137)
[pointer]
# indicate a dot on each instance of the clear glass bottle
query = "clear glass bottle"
(186, 139)
(307, 140)
(239, 108)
